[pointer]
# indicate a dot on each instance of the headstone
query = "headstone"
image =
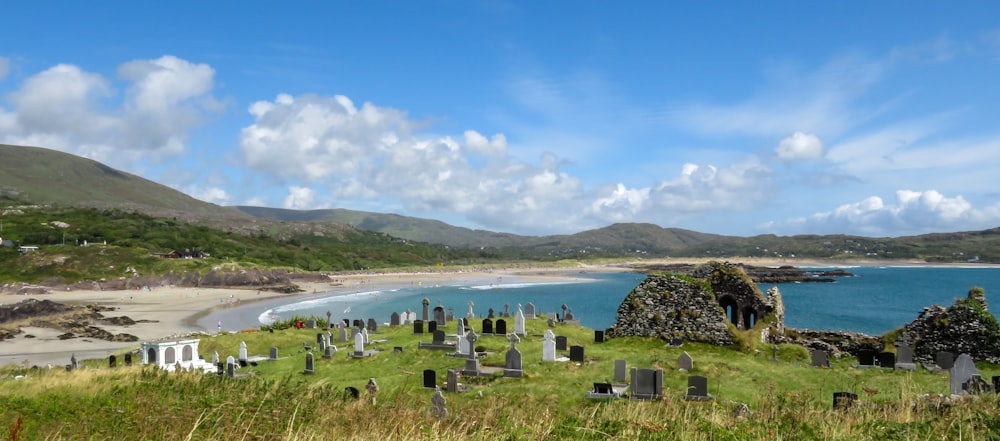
(490, 314)
(685, 362)
(311, 324)
(944, 360)
(342, 335)
(576, 354)
(372, 325)
(309, 364)
(561, 343)
(887, 360)
(461, 328)
(273, 355)
(697, 389)
(418, 327)
(996, 383)
(230, 367)
(866, 358)
(394, 319)
(319, 338)
(329, 318)
(471, 314)
(487, 328)
(774, 353)
(364, 335)
(519, 322)
(844, 400)
(904, 354)
(411, 317)
(215, 357)
(128, 359)
(452, 381)
(243, 352)
(529, 311)
(328, 352)
(112, 361)
(512, 367)
(549, 346)
(961, 372)
(569, 315)
(820, 358)
(439, 337)
(501, 327)
(359, 345)
(506, 311)
(347, 322)
(471, 338)
(646, 384)
(430, 379)
(439, 316)
(220, 369)
(322, 343)
(355, 332)
(550, 322)
(976, 385)
(598, 336)
(438, 402)
(426, 304)
(372, 389)
(432, 326)
(620, 371)
(357, 323)
(352, 392)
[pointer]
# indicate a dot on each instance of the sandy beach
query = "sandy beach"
(176, 312)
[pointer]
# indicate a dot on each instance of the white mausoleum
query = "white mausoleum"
(171, 354)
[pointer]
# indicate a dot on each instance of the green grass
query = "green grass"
(789, 400)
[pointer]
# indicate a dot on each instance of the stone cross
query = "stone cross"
(471, 314)
(471, 338)
(372, 388)
(438, 404)
(514, 340)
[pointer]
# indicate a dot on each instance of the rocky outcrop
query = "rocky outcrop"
(964, 327)
(759, 274)
(837, 343)
(74, 321)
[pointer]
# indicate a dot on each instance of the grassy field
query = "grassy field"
(788, 399)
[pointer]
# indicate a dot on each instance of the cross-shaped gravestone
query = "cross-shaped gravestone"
(471, 338)
(438, 404)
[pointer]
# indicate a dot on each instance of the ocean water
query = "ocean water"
(877, 300)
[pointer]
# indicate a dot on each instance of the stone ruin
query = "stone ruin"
(697, 307)
(967, 327)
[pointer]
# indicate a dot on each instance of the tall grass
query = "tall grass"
(788, 400)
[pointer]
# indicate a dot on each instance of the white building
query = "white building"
(171, 354)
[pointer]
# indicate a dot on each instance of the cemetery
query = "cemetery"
(424, 379)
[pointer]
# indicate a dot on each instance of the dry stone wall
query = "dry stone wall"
(672, 307)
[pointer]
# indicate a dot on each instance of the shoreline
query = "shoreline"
(174, 311)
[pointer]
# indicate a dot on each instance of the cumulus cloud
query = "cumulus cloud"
(799, 146)
(912, 212)
(299, 198)
(69, 109)
(214, 195)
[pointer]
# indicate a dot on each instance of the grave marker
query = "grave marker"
(598, 336)
(646, 384)
(328, 352)
(438, 404)
(512, 368)
(426, 303)
(529, 311)
(866, 358)
(309, 364)
(112, 361)
(697, 389)
(432, 326)
(561, 343)
(576, 354)
(372, 325)
(685, 362)
(439, 315)
(549, 346)
(273, 354)
(128, 359)
(501, 327)
(519, 323)
(963, 370)
(620, 371)
(394, 319)
(904, 354)
(887, 360)
(487, 326)
(944, 360)
(430, 379)
(820, 358)
(418, 327)
(243, 353)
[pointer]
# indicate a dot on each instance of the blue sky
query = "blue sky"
(742, 118)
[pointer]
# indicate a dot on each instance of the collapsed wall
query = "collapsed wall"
(966, 327)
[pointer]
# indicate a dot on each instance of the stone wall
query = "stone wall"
(965, 327)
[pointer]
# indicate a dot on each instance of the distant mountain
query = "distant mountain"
(44, 176)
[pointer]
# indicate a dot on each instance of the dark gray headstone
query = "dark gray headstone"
(512, 367)
(487, 326)
(319, 338)
(328, 352)
(866, 357)
(273, 355)
(887, 360)
(561, 343)
(220, 369)
(310, 364)
(961, 372)
(576, 353)
(112, 361)
(311, 324)
(621, 370)
(430, 379)
(342, 335)
(820, 358)
(490, 314)
(452, 381)
(646, 384)
(394, 319)
(697, 388)
(500, 327)
(418, 327)
(685, 362)
(358, 323)
(439, 316)
(439, 336)
(372, 325)
(598, 336)
(128, 359)
(529, 310)
(944, 360)
(432, 326)
(844, 400)
(904, 351)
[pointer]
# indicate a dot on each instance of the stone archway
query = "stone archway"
(731, 309)
(749, 317)
(151, 356)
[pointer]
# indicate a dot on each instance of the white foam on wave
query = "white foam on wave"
(522, 285)
(269, 316)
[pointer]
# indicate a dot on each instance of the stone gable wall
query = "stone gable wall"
(671, 307)
(965, 327)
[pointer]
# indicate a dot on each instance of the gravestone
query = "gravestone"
(352, 392)
(529, 311)
(490, 314)
(347, 322)
(550, 322)
(519, 322)
(329, 320)
(439, 315)
(506, 311)
(646, 384)
(438, 402)
(620, 371)
(471, 314)
(439, 337)
(976, 385)
(432, 326)
(355, 332)
(230, 367)
(418, 327)
(411, 316)
(311, 324)
(501, 327)
(598, 336)
(243, 353)
(215, 357)
(364, 335)
(430, 379)
(451, 314)
(844, 400)
(359, 345)
(128, 359)
(963, 369)
(309, 364)
(394, 319)
(576, 354)
(685, 362)
(569, 316)
(549, 346)
(451, 384)
(820, 358)
(425, 316)
(328, 352)
(471, 338)
(319, 338)
(461, 328)
(322, 344)
(487, 326)
(561, 343)
(904, 354)
(512, 367)
(697, 389)
(372, 325)
(273, 355)
(866, 358)
(944, 360)
(887, 360)
(220, 369)
(358, 323)
(342, 335)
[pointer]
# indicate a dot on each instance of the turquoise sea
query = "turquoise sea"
(877, 300)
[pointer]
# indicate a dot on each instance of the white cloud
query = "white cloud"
(69, 109)
(913, 212)
(300, 198)
(706, 188)
(4, 67)
(214, 195)
(799, 146)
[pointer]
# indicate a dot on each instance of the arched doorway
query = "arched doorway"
(187, 354)
(169, 356)
(151, 356)
(731, 308)
(749, 317)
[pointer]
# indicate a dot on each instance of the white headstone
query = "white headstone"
(519, 322)
(243, 351)
(461, 327)
(549, 346)
(359, 344)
